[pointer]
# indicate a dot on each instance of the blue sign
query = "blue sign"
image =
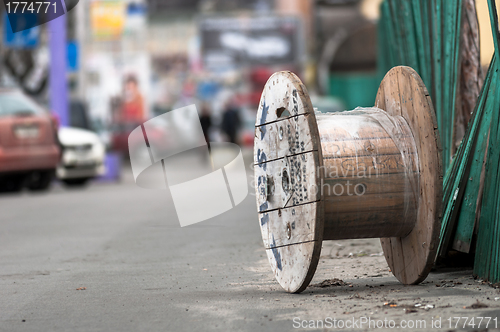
(28, 38)
(136, 9)
(73, 56)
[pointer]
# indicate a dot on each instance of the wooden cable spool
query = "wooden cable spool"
(303, 160)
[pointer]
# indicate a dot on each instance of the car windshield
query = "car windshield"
(17, 104)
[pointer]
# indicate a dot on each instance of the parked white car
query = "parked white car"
(82, 156)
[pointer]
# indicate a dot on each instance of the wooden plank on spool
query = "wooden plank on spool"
(389, 94)
(289, 263)
(274, 144)
(337, 131)
(371, 224)
(402, 92)
(288, 160)
(286, 182)
(358, 165)
(270, 194)
(292, 225)
(390, 183)
(376, 202)
(362, 147)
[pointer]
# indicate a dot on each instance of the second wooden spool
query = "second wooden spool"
(308, 183)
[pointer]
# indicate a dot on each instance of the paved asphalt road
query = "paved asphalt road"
(141, 271)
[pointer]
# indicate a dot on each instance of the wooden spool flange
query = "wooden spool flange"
(291, 154)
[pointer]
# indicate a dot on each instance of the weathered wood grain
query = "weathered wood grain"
(287, 157)
(402, 92)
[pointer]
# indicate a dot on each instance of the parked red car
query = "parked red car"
(29, 149)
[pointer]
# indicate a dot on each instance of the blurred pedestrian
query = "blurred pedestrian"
(128, 113)
(133, 102)
(231, 122)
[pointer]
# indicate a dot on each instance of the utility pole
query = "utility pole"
(81, 23)
(58, 92)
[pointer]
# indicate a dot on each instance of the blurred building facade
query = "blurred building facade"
(212, 51)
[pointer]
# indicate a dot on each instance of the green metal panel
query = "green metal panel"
(487, 259)
(467, 158)
(426, 35)
(355, 89)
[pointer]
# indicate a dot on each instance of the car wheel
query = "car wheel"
(76, 182)
(12, 183)
(40, 180)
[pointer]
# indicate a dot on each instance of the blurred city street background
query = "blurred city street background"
(82, 247)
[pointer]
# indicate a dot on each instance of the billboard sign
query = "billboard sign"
(248, 41)
(107, 19)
